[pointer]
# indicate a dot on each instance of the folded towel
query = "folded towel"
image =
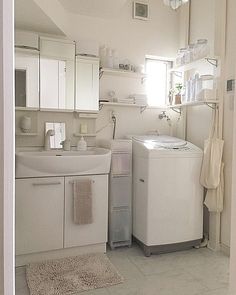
(83, 201)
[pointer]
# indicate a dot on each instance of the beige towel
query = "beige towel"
(83, 201)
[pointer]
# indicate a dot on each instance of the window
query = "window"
(158, 81)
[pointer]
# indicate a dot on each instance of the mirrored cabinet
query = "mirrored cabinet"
(50, 76)
(57, 74)
(26, 78)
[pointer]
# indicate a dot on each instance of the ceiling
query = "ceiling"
(28, 16)
(95, 8)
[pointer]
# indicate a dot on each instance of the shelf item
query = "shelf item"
(85, 135)
(191, 65)
(124, 73)
(26, 134)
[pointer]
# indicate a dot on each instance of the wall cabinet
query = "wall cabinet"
(44, 214)
(87, 84)
(39, 214)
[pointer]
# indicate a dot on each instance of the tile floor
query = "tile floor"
(193, 272)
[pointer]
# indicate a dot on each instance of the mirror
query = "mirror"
(57, 73)
(26, 78)
(59, 129)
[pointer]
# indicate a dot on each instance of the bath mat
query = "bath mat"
(71, 275)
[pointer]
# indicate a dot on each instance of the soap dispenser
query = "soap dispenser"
(82, 144)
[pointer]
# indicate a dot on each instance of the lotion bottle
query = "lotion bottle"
(82, 144)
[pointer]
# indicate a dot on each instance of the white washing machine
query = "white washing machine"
(167, 195)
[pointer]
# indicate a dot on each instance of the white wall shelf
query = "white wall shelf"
(124, 73)
(213, 60)
(118, 104)
(26, 134)
(195, 103)
(85, 135)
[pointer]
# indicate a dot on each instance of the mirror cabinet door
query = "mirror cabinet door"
(27, 78)
(57, 74)
(87, 84)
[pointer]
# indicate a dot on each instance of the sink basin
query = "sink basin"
(56, 162)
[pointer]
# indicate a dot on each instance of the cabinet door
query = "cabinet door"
(26, 79)
(39, 214)
(49, 83)
(87, 84)
(81, 235)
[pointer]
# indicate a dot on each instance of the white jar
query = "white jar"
(25, 124)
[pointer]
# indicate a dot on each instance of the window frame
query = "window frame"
(169, 76)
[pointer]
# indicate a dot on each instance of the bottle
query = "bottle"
(82, 144)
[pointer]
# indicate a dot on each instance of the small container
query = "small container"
(82, 144)
(102, 55)
(202, 48)
(109, 58)
(115, 59)
(66, 145)
(180, 57)
(25, 124)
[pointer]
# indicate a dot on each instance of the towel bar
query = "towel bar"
(72, 182)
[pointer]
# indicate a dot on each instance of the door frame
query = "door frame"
(7, 148)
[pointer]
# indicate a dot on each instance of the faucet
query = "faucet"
(47, 145)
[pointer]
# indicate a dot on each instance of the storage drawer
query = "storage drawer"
(121, 164)
(120, 191)
(120, 226)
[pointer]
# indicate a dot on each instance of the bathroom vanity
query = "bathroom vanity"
(44, 203)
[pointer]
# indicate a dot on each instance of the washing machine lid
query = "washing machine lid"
(161, 141)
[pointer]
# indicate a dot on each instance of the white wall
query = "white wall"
(133, 39)
(6, 150)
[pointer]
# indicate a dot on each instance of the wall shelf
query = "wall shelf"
(123, 73)
(85, 135)
(213, 60)
(195, 103)
(26, 134)
(118, 104)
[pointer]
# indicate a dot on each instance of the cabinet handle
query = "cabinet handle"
(46, 183)
(141, 180)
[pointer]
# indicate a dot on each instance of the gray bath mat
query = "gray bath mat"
(71, 275)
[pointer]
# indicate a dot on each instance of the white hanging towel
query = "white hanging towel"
(212, 157)
(215, 197)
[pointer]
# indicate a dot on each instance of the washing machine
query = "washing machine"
(167, 195)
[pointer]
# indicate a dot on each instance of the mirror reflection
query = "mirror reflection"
(59, 131)
(26, 78)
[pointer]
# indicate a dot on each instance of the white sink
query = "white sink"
(56, 162)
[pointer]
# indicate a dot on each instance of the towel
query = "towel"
(83, 201)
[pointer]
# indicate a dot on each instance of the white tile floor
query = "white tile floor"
(193, 272)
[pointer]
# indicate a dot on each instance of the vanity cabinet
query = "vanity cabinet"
(39, 214)
(87, 84)
(88, 234)
(44, 215)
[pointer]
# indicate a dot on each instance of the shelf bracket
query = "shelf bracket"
(142, 109)
(177, 110)
(177, 74)
(214, 106)
(212, 61)
(100, 73)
